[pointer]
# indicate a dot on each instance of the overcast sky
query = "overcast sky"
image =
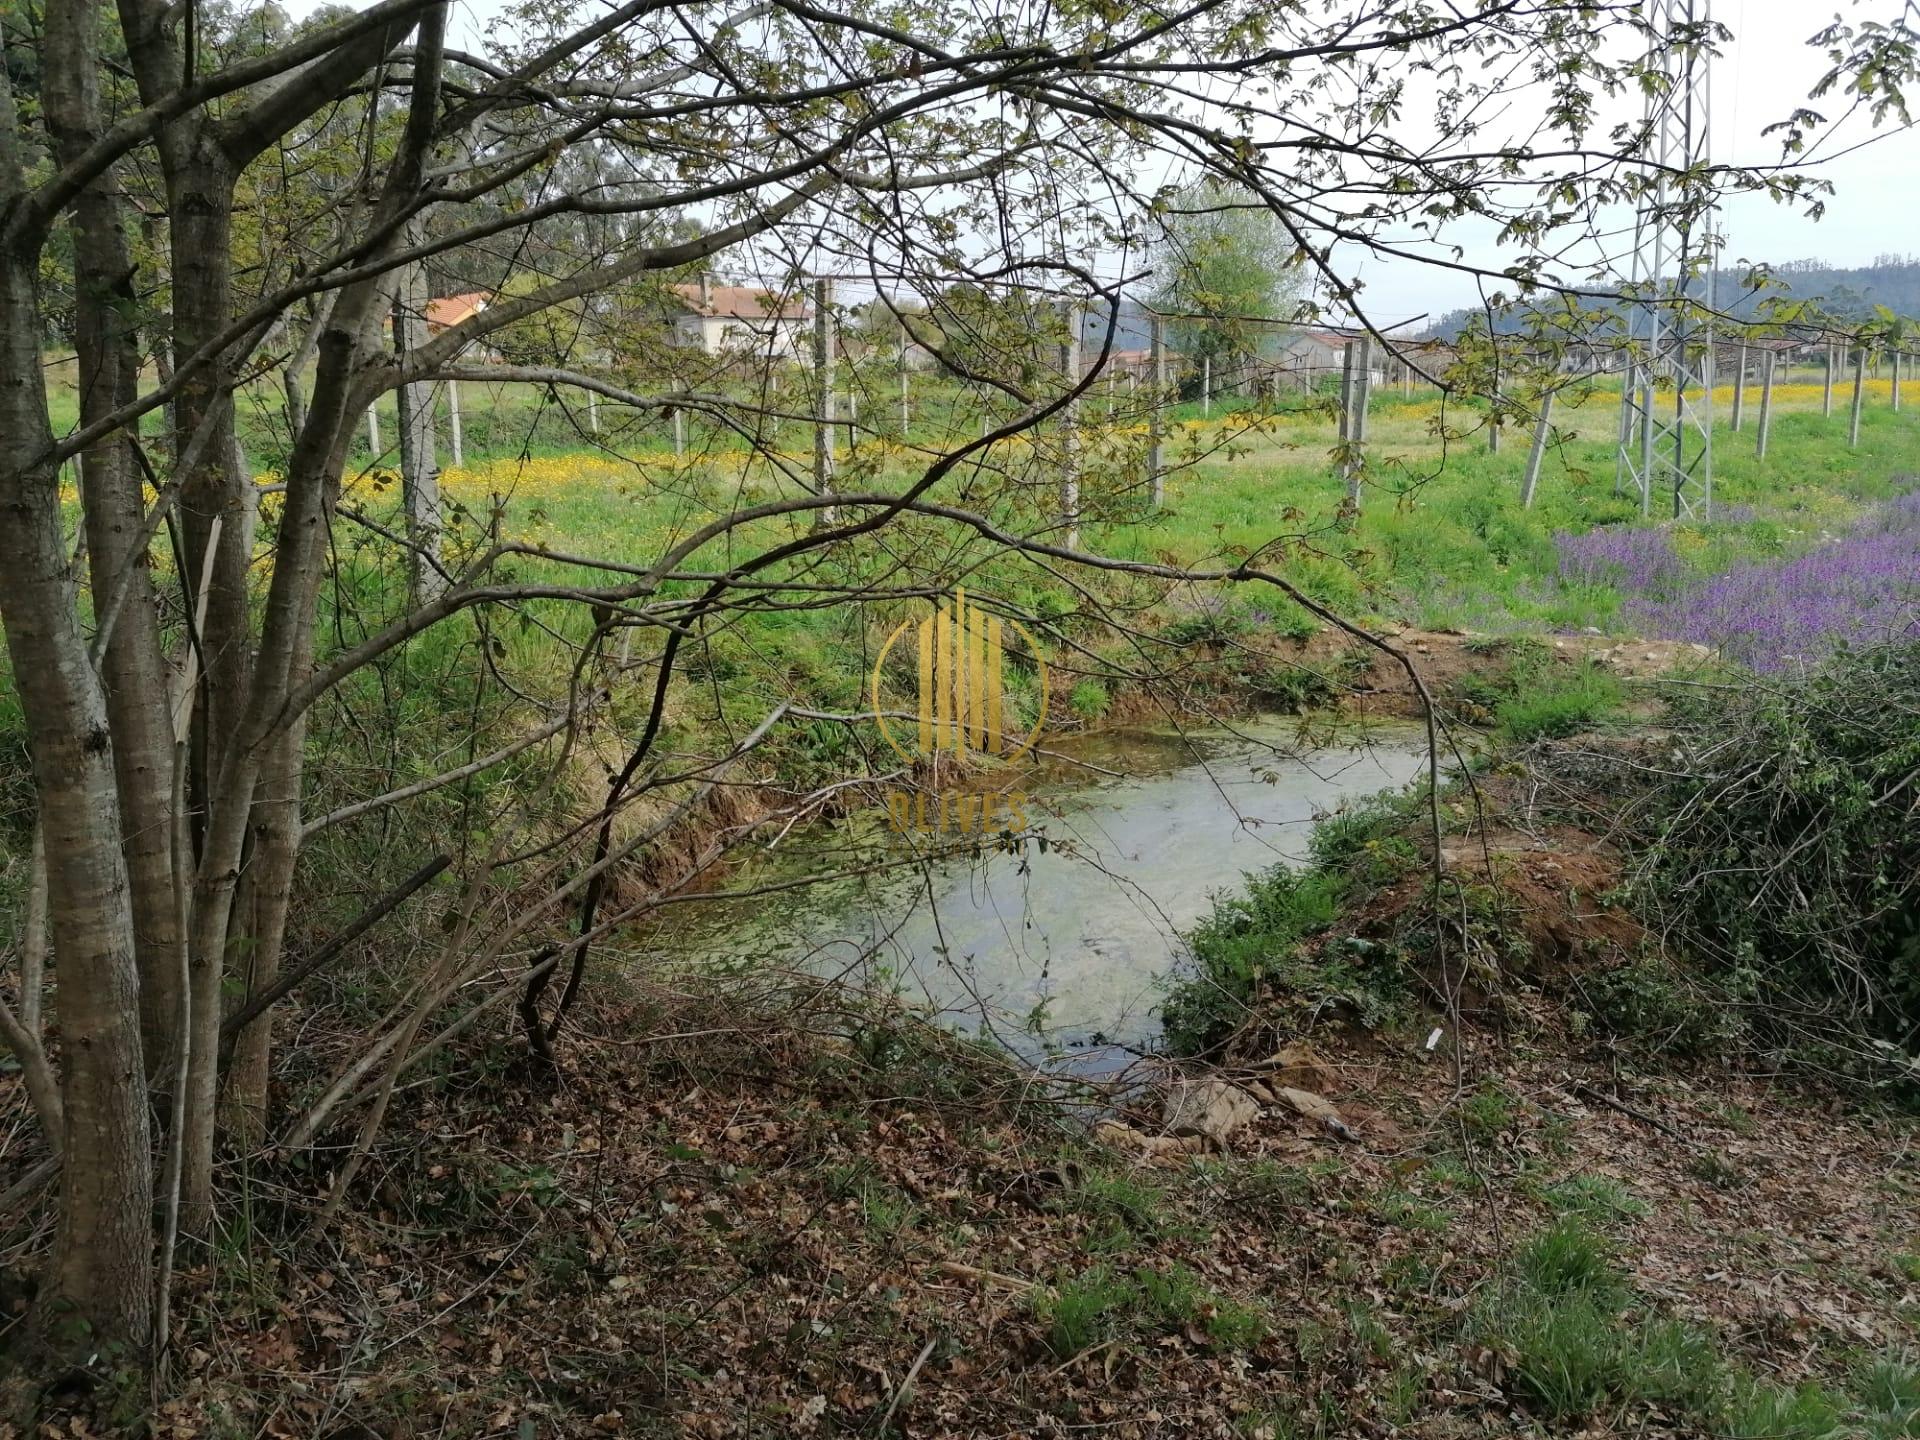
(1766, 70)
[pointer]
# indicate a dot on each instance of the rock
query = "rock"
(1212, 1109)
(1301, 1066)
(1315, 1108)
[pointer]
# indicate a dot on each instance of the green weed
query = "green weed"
(1560, 702)
(1083, 1310)
(1089, 699)
(1597, 1199)
(1246, 939)
(1176, 1297)
(1753, 1411)
(1566, 1258)
(1490, 1111)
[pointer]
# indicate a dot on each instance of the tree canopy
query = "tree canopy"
(1228, 274)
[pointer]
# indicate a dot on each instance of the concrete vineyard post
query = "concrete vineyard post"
(1542, 430)
(1740, 390)
(1070, 429)
(1766, 407)
(1157, 427)
(823, 393)
(1859, 386)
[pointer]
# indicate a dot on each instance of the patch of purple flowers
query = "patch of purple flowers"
(1632, 559)
(1860, 586)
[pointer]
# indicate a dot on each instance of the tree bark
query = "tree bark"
(132, 666)
(419, 465)
(265, 900)
(98, 1290)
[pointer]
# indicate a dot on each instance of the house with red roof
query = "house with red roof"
(449, 310)
(740, 320)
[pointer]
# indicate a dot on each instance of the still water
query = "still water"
(1061, 947)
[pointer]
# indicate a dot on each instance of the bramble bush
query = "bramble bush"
(1788, 856)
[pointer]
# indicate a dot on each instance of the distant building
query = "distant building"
(1787, 350)
(449, 310)
(740, 320)
(918, 356)
(1309, 356)
(446, 311)
(859, 347)
(1426, 357)
(1136, 364)
(1591, 357)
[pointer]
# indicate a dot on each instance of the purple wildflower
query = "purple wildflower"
(1857, 587)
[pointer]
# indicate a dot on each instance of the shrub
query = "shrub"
(1245, 938)
(1653, 1002)
(1786, 857)
(1256, 938)
(1289, 687)
(1370, 831)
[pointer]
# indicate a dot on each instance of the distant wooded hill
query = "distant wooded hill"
(1848, 293)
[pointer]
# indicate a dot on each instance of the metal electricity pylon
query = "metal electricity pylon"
(1666, 395)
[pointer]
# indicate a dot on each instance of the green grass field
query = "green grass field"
(1441, 540)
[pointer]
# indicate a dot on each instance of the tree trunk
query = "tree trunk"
(285, 653)
(419, 465)
(97, 1291)
(132, 667)
(265, 899)
(200, 201)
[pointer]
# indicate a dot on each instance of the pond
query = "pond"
(1060, 948)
